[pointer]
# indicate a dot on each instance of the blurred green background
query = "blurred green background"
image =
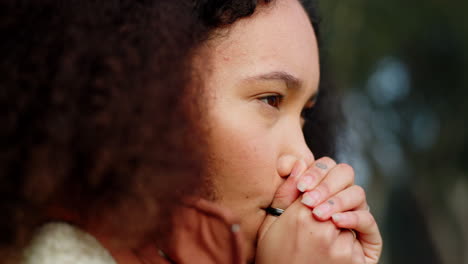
(402, 69)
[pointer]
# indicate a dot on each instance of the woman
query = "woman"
(262, 76)
(254, 140)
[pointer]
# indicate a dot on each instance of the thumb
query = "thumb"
(286, 194)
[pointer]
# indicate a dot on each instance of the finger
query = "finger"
(287, 192)
(342, 250)
(347, 248)
(351, 198)
(297, 229)
(315, 174)
(300, 215)
(323, 233)
(358, 253)
(340, 177)
(367, 230)
(285, 195)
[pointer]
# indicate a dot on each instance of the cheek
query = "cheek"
(241, 151)
(243, 172)
(242, 161)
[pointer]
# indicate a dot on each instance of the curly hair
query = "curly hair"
(98, 108)
(95, 112)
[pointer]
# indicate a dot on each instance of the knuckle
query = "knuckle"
(341, 254)
(370, 221)
(303, 217)
(347, 170)
(353, 219)
(327, 233)
(309, 158)
(323, 189)
(281, 199)
(327, 160)
(337, 202)
(360, 191)
(314, 172)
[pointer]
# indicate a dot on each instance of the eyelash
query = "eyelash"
(273, 100)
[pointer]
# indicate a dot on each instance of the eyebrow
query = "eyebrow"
(290, 80)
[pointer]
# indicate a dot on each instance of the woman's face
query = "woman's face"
(263, 71)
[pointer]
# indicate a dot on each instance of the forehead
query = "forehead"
(278, 37)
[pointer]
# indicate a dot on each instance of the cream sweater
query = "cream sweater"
(61, 243)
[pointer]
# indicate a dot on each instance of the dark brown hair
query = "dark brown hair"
(96, 113)
(98, 108)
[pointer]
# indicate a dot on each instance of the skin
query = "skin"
(273, 53)
(338, 207)
(262, 72)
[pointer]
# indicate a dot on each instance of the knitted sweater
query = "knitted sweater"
(203, 232)
(61, 243)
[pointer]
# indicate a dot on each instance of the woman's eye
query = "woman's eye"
(272, 100)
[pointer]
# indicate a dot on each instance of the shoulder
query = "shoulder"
(61, 243)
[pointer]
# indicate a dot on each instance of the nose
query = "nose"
(293, 149)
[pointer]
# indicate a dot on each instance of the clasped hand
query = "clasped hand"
(326, 219)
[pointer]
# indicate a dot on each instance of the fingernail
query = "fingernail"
(336, 217)
(307, 200)
(310, 199)
(304, 183)
(322, 210)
